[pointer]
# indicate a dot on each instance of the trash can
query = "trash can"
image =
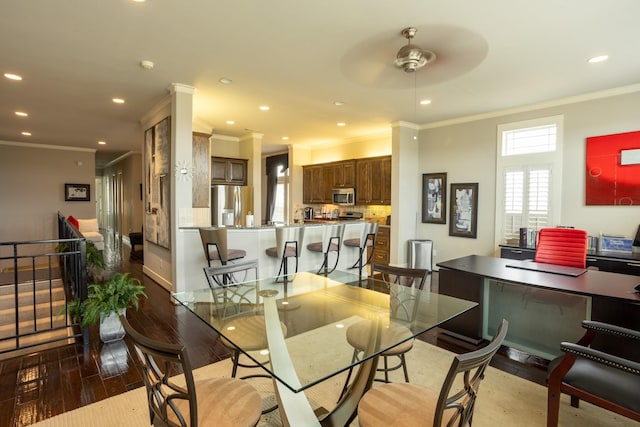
(421, 254)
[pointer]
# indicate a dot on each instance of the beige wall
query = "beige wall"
(32, 179)
(467, 153)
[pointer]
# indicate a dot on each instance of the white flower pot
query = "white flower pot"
(111, 328)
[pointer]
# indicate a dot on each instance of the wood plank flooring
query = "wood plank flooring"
(44, 384)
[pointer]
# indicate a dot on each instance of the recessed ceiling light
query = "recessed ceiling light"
(118, 100)
(225, 81)
(138, 1)
(21, 114)
(230, 122)
(425, 102)
(264, 108)
(599, 58)
(102, 143)
(285, 138)
(338, 103)
(26, 133)
(147, 65)
(341, 124)
(12, 76)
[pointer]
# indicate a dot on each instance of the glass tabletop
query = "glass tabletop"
(315, 313)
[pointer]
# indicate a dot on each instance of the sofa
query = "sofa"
(89, 230)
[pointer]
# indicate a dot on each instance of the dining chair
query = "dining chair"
(402, 305)
(175, 399)
(288, 245)
(331, 242)
(214, 243)
(404, 404)
(367, 240)
(236, 306)
(602, 379)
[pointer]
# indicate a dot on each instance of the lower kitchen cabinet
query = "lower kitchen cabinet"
(381, 248)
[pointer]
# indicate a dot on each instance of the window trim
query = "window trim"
(526, 161)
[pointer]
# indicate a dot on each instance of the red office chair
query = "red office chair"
(562, 246)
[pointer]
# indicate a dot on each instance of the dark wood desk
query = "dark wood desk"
(608, 297)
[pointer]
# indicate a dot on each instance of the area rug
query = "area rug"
(504, 399)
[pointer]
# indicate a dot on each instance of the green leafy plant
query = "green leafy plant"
(95, 260)
(118, 292)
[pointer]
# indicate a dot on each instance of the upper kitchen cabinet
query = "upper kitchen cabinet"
(228, 171)
(343, 173)
(314, 188)
(373, 181)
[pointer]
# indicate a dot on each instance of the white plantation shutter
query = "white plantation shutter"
(527, 156)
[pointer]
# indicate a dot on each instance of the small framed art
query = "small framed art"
(434, 198)
(463, 212)
(77, 192)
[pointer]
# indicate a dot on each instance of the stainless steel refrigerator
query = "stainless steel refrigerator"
(230, 205)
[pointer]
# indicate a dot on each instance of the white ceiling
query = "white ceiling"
(298, 57)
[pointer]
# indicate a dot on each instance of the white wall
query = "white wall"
(467, 153)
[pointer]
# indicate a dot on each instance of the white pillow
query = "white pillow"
(88, 225)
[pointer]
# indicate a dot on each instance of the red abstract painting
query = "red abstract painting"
(613, 169)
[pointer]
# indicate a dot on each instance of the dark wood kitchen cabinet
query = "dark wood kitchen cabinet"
(313, 184)
(227, 171)
(381, 249)
(373, 181)
(343, 174)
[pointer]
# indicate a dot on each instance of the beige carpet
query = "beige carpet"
(505, 400)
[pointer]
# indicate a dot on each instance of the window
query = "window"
(282, 189)
(528, 184)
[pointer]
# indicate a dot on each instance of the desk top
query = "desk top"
(591, 283)
(316, 312)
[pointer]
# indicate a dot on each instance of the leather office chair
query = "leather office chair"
(214, 243)
(367, 240)
(288, 245)
(412, 405)
(331, 242)
(562, 246)
(402, 307)
(210, 401)
(602, 379)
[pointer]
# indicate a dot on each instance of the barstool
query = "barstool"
(367, 240)
(331, 241)
(214, 243)
(288, 245)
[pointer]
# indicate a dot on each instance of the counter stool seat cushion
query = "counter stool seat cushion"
(233, 254)
(317, 247)
(290, 251)
(355, 243)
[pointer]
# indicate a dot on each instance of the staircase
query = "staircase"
(39, 325)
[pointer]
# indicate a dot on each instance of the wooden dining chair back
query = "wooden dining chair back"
(214, 244)
(412, 404)
(389, 274)
(607, 380)
(175, 399)
(562, 246)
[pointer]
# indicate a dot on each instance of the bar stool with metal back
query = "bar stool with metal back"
(214, 243)
(288, 245)
(367, 240)
(331, 242)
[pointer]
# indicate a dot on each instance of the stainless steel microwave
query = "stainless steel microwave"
(344, 196)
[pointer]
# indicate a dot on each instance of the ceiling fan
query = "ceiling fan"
(409, 57)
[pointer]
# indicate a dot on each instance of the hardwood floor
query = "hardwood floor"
(41, 385)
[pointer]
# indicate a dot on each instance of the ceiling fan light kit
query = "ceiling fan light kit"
(410, 58)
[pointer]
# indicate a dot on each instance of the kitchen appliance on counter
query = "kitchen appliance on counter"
(308, 213)
(230, 205)
(344, 196)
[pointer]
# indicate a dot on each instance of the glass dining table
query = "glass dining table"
(305, 323)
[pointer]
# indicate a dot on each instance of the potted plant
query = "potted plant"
(106, 302)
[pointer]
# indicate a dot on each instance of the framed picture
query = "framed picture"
(77, 193)
(464, 210)
(434, 198)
